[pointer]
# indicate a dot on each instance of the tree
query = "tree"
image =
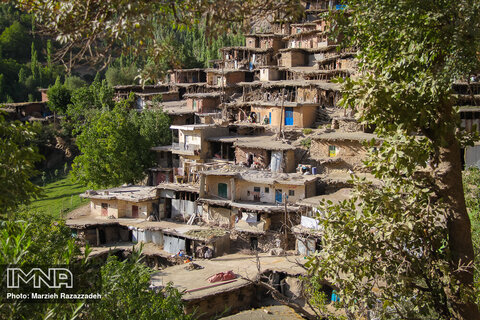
(122, 71)
(13, 40)
(416, 225)
(88, 100)
(115, 145)
(74, 82)
(126, 293)
(113, 24)
(59, 97)
(37, 239)
(17, 165)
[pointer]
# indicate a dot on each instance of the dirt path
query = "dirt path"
(79, 212)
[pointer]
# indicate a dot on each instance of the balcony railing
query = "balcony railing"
(190, 148)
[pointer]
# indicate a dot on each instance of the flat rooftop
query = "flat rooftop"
(336, 197)
(352, 136)
(241, 264)
(321, 84)
(191, 127)
(178, 187)
(128, 193)
(266, 142)
(169, 227)
(262, 176)
(173, 107)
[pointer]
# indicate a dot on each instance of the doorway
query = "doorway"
(101, 236)
(104, 209)
(289, 116)
(134, 211)
(278, 195)
(168, 208)
(254, 243)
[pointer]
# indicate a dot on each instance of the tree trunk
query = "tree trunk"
(449, 174)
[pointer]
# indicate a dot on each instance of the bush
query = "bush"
(306, 143)
(307, 131)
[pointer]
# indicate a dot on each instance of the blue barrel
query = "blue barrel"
(314, 170)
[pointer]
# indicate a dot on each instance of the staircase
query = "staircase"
(321, 118)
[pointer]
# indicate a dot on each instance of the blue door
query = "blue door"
(278, 195)
(269, 118)
(289, 116)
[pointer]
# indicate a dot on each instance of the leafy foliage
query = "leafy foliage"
(115, 145)
(471, 182)
(17, 165)
(58, 97)
(88, 100)
(127, 295)
(42, 240)
(393, 237)
(117, 25)
(405, 248)
(22, 72)
(122, 72)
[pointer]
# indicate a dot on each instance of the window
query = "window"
(267, 190)
(194, 105)
(256, 189)
(222, 190)
(332, 151)
(291, 192)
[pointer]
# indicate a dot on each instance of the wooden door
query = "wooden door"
(223, 190)
(134, 211)
(104, 209)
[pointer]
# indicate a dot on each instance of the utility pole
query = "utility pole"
(285, 245)
(281, 115)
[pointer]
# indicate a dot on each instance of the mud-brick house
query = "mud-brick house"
(240, 184)
(124, 202)
(123, 91)
(203, 102)
(227, 77)
(99, 232)
(253, 203)
(178, 201)
(165, 162)
(308, 234)
(26, 110)
(178, 111)
(145, 100)
(193, 148)
(292, 57)
(43, 93)
(297, 28)
(295, 114)
(259, 152)
(309, 39)
(196, 75)
(194, 240)
(264, 41)
(247, 58)
(270, 73)
(340, 150)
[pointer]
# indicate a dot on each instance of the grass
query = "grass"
(61, 197)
